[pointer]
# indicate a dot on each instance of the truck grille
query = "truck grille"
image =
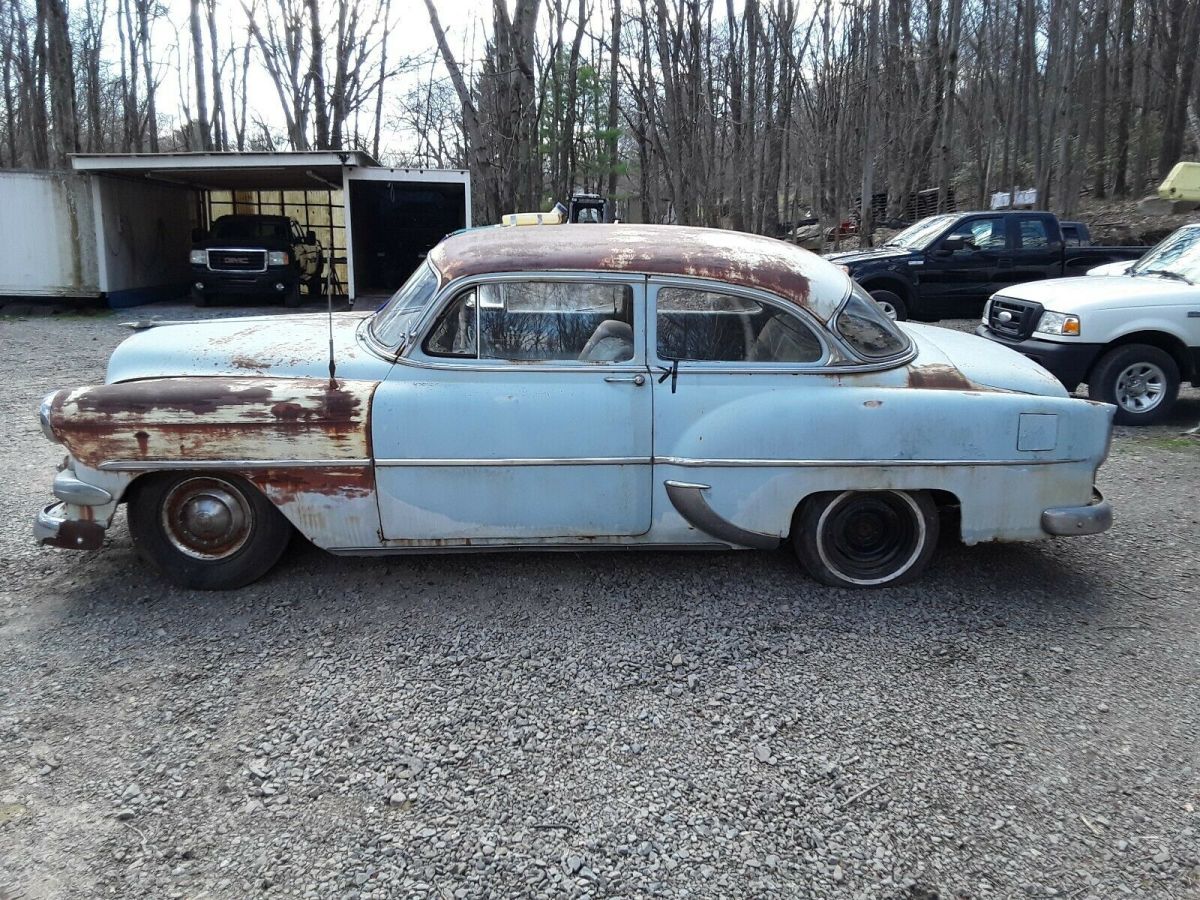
(1014, 319)
(237, 260)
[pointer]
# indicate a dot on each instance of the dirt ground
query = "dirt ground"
(1022, 722)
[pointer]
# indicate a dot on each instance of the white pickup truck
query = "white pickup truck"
(1132, 338)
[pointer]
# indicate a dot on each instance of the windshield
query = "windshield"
(249, 228)
(921, 235)
(867, 328)
(390, 323)
(1178, 255)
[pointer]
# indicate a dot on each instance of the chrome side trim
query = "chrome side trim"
(394, 549)
(690, 462)
(520, 461)
(156, 465)
(79, 493)
(688, 500)
(1094, 518)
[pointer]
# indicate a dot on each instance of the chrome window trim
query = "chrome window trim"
(148, 465)
(656, 283)
(411, 353)
(868, 365)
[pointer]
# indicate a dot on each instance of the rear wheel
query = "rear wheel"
(1141, 380)
(866, 538)
(891, 303)
(210, 532)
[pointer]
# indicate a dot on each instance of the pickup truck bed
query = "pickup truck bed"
(947, 266)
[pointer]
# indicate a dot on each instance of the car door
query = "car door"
(522, 413)
(957, 282)
(1037, 252)
(725, 357)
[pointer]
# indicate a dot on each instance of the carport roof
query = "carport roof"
(286, 171)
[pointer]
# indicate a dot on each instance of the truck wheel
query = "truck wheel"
(292, 298)
(891, 304)
(316, 286)
(1141, 380)
(866, 538)
(208, 532)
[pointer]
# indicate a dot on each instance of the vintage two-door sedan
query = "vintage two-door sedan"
(568, 387)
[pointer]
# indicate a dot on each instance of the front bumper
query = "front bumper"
(1069, 363)
(1065, 521)
(205, 281)
(52, 528)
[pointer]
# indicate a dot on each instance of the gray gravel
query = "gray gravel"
(1021, 723)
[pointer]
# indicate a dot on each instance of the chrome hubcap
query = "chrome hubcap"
(206, 518)
(888, 309)
(1141, 387)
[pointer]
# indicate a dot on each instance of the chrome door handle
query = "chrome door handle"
(639, 380)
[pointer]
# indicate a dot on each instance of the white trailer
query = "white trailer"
(48, 235)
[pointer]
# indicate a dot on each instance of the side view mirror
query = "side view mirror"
(198, 234)
(952, 244)
(310, 238)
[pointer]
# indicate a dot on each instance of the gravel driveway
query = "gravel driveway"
(1024, 721)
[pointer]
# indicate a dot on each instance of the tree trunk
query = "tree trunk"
(199, 78)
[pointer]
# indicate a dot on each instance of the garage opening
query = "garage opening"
(396, 222)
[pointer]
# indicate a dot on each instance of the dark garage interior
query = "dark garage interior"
(395, 225)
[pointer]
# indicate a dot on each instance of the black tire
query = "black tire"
(292, 298)
(1140, 380)
(165, 510)
(861, 539)
(890, 300)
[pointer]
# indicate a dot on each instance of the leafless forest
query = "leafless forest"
(747, 115)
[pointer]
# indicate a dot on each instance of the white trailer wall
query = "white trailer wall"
(48, 235)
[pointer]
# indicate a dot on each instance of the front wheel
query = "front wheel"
(891, 304)
(209, 532)
(1141, 380)
(866, 538)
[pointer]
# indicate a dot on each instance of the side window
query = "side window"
(538, 321)
(713, 327)
(984, 234)
(1034, 234)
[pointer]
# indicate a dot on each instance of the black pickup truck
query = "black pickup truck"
(267, 256)
(948, 265)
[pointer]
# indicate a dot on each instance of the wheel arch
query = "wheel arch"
(1164, 341)
(887, 281)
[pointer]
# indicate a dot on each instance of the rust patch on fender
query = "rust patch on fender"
(734, 257)
(211, 418)
(939, 377)
(283, 485)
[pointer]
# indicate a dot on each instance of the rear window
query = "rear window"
(868, 331)
(251, 229)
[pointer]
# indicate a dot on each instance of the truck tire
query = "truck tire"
(892, 305)
(866, 538)
(292, 298)
(210, 532)
(1140, 380)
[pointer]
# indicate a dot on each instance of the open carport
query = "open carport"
(375, 223)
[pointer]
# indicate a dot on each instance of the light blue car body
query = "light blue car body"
(457, 454)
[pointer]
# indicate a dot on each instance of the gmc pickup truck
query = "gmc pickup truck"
(255, 255)
(948, 265)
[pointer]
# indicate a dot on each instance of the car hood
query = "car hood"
(952, 360)
(880, 254)
(1088, 291)
(291, 346)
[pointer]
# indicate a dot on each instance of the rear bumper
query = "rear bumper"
(51, 528)
(1065, 521)
(1069, 363)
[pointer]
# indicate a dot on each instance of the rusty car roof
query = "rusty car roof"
(734, 257)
